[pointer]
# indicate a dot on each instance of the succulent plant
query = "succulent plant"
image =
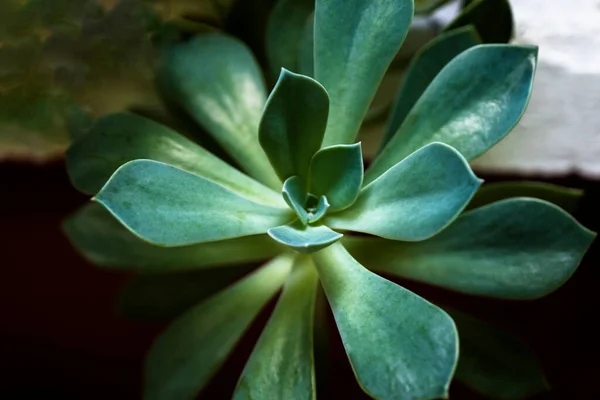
(305, 202)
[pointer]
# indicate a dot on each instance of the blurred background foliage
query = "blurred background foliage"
(64, 63)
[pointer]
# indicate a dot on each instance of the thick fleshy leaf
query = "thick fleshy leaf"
(566, 198)
(493, 20)
(516, 249)
(337, 172)
(104, 241)
(304, 238)
(116, 139)
(163, 296)
(294, 194)
(188, 353)
(217, 80)
(413, 200)
(423, 68)
(355, 42)
(320, 210)
(168, 206)
(495, 363)
(285, 33)
(400, 346)
(293, 124)
(282, 364)
(473, 103)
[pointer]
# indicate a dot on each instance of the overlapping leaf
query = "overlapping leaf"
(413, 200)
(194, 346)
(217, 80)
(399, 345)
(516, 248)
(355, 42)
(168, 206)
(282, 364)
(471, 104)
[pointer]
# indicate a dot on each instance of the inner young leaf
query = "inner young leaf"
(308, 207)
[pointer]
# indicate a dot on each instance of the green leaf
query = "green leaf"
(495, 363)
(170, 207)
(427, 6)
(294, 195)
(282, 365)
(493, 20)
(293, 124)
(337, 172)
(104, 241)
(216, 79)
(155, 297)
(285, 33)
(304, 239)
(514, 249)
(423, 68)
(116, 139)
(473, 103)
(566, 198)
(400, 346)
(306, 57)
(188, 353)
(415, 199)
(320, 210)
(355, 42)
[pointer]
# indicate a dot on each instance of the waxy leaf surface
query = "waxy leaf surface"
(294, 194)
(413, 200)
(282, 364)
(518, 248)
(337, 172)
(285, 32)
(471, 104)
(293, 124)
(189, 352)
(423, 68)
(168, 206)
(216, 79)
(104, 241)
(116, 139)
(304, 239)
(400, 346)
(355, 42)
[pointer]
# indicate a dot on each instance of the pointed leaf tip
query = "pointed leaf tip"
(295, 195)
(415, 199)
(518, 248)
(293, 123)
(167, 206)
(400, 346)
(475, 101)
(337, 172)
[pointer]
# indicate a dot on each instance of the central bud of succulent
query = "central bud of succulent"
(308, 207)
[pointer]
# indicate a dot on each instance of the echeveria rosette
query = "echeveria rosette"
(203, 213)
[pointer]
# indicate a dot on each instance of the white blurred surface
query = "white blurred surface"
(560, 131)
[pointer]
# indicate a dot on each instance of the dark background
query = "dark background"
(61, 336)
